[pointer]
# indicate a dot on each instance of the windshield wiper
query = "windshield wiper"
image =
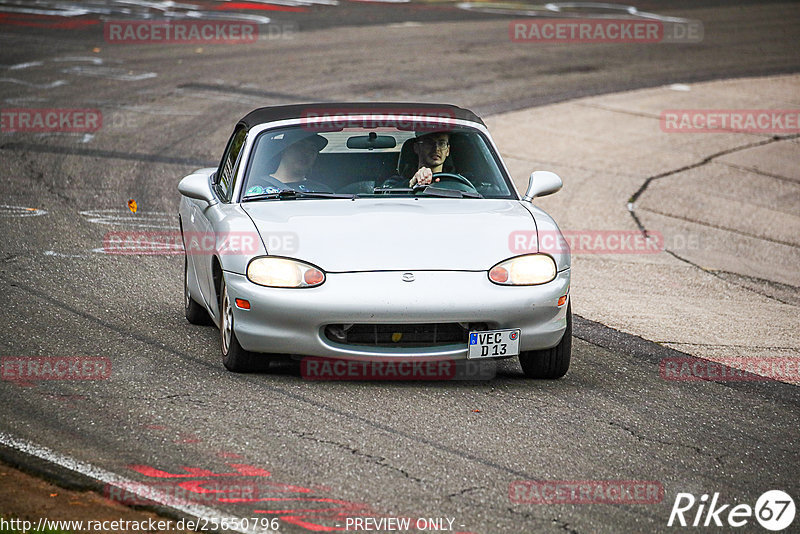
(433, 191)
(391, 190)
(291, 194)
(429, 191)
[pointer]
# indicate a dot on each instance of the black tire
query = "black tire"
(234, 357)
(550, 363)
(195, 313)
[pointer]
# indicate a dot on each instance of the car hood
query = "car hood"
(341, 235)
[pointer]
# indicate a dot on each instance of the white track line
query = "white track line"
(113, 479)
(20, 211)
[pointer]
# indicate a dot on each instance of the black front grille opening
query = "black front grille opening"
(401, 335)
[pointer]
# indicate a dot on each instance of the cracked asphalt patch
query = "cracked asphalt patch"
(725, 206)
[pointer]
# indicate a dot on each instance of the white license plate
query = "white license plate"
(493, 344)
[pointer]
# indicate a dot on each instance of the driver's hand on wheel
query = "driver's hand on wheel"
(423, 176)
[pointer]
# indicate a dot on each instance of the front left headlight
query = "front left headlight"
(528, 270)
(273, 271)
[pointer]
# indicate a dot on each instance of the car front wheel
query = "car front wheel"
(550, 363)
(234, 357)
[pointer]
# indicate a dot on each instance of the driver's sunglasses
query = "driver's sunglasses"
(441, 143)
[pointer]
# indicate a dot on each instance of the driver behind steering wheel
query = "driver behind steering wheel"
(431, 150)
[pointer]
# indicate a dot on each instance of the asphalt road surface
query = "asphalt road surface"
(315, 453)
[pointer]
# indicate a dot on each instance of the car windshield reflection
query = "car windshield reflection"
(298, 163)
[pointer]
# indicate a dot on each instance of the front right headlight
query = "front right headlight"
(527, 270)
(272, 271)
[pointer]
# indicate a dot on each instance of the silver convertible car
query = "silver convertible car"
(375, 232)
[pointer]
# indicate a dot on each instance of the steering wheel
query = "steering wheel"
(449, 176)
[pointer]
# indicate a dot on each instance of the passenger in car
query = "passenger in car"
(296, 163)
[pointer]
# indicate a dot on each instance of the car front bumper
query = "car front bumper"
(292, 321)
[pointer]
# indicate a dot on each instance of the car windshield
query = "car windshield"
(363, 162)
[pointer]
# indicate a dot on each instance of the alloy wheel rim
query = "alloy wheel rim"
(186, 296)
(227, 322)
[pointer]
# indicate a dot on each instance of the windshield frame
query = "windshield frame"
(257, 131)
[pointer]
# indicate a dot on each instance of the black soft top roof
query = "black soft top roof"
(294, 111)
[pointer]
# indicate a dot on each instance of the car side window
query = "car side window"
(226, 175)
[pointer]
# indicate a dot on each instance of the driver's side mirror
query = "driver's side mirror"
(542, 183)
(196, 186)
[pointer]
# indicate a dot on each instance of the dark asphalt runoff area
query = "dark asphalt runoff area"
(315, 453)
